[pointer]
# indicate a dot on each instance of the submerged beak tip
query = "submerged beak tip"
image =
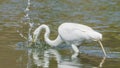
(33, 40)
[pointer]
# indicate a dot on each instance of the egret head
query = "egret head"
(36, 35)
(34, 39)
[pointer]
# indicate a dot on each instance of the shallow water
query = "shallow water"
(101, 15)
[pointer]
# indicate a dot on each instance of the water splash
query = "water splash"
(27, 16)
(28, 21)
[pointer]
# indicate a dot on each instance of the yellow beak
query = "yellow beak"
(33, 39)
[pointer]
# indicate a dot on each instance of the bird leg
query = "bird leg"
(76, 51)
(102, 48)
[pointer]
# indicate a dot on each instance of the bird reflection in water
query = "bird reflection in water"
(41, 58)
(102, 62)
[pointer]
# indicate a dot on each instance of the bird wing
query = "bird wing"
(74, 32)
(86, 33)
(81, 27)
(75, 36)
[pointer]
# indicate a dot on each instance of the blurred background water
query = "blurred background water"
(101, 15)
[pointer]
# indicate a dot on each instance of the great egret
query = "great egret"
(71, 33)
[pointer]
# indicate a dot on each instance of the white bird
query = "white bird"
(71, 33)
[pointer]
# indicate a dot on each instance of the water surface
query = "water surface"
(101, 15)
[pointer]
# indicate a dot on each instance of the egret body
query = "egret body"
(71, 33)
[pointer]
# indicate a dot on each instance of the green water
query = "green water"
(101, 15)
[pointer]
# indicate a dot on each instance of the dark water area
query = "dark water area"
(102, 15)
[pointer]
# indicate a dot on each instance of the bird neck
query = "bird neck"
(55, 42)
